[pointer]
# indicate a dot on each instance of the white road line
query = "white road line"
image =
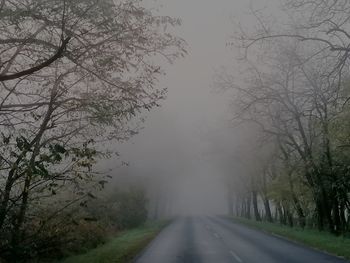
(236, 257)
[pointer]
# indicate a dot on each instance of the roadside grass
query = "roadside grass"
(339, 246)
(121, 249)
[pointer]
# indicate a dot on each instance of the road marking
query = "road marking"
(236, 257)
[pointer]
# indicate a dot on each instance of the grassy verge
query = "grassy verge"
(339, 246)
(121, 249)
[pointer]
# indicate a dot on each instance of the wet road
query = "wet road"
(218, 240)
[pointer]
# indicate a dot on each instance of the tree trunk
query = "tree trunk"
(276, 213)
(243, 208)
(17, 232)
(323, 208)
(5, 200)
(300, 212)
(230, 203)
(156, 208)
(248, 212)
(298, 208)
(336, 216)
(237, 206)
(281, 216)
(268, 210)
(290, 218)
(320, 216)
(343, 218)
(255, 206)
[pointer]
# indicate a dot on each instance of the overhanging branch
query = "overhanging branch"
(32, 70)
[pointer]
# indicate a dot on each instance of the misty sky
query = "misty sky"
(174, 139)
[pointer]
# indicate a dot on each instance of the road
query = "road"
(218, 240)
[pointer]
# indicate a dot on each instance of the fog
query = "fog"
(178, 122)
(176, 140)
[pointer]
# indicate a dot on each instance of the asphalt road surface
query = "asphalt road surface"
(218, 240)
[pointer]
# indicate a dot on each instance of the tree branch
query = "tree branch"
(32, 70)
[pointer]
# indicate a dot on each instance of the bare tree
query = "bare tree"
(323, 25)
(295, 103)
